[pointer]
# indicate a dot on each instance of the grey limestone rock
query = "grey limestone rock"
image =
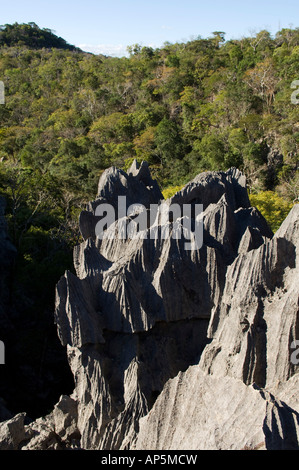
(203, 412)
(56, 431)
(136, 185)
(141, 311)
(257, 321)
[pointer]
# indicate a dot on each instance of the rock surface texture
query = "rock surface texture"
(173, 348)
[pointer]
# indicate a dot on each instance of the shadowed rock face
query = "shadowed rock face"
(245, 373)
(173, 348)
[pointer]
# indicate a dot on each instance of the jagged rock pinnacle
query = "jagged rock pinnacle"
(153, 329)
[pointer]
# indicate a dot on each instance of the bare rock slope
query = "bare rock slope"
(173, 348)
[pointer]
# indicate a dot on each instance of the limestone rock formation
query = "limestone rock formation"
(172, 348)
(196, 411)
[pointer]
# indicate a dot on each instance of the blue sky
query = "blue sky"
(110, 26)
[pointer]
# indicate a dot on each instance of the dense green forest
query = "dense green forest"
(32, 36)
(206, 104)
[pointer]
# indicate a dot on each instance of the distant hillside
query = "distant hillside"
(32, 36)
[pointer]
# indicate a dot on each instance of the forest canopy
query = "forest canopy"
(32, 36)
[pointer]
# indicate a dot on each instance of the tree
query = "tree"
(144, 145)
(218, 38)
(115, 127)
(272, 207)
(263, 81)
(211, 148)
(169, 142)
(32, 36)
(260, 40)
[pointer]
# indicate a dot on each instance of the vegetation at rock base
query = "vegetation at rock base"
(273, 207)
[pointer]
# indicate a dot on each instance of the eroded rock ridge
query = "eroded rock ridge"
(173, 348)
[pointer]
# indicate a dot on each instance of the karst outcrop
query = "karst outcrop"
(172, 347)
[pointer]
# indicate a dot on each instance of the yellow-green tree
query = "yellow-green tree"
(273, 207)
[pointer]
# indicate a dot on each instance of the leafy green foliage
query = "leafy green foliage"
(32, 36)
(171, 191)
(273, 207)
(42, 222)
